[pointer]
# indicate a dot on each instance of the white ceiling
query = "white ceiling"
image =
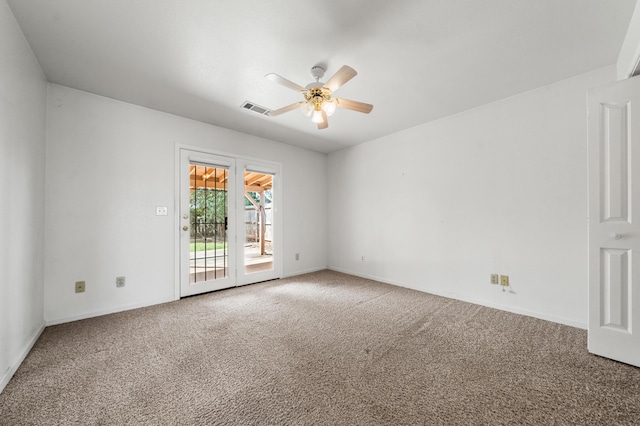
(417, 60)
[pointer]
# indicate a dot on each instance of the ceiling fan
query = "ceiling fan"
(318, 101)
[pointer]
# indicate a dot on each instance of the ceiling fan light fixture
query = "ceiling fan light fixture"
(306, 108)
(329, 106)
(316, 117)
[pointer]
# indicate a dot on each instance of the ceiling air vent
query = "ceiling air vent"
(255, 108)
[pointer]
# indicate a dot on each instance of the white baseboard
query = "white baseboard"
(551, 318)
(6, 377)
(62, 320)
(306, 271)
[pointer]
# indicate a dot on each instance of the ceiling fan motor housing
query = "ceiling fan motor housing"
(317, 96)
(317, 72)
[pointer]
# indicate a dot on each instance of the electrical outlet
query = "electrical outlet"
(363, 258)
(504, 280)
(162, 211)
(494, 278)
(119, 281)
(80, 286)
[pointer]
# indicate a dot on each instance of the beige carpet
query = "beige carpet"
(323, 348)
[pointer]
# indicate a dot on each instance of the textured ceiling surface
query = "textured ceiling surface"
(417, 60)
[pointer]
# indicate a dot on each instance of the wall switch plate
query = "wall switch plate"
(494, 279)
(162, 211)
(80, 286)
(119, 281)
(297, 256)
(504, 280)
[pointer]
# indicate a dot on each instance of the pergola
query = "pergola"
(216, 179)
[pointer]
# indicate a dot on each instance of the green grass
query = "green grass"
(209, 246)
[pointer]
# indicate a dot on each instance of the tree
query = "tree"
(208, 214)
(268, 197)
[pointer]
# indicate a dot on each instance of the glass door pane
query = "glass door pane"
(208, 207)
(258, 218)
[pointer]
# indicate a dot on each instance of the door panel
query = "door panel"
(614, 221)
(259, 255)
(615, 291)
(206, 203)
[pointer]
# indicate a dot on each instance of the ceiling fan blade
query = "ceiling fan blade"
(343, 75)
(285, 109)
(284, 82)
(325, 121)
(354, 105)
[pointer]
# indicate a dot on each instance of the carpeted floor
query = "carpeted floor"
(323, 348)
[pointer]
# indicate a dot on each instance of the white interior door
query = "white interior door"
(207, 226)
(614, 221)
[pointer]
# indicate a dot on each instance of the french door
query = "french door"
(614, 221)
(207, 201)
(229, 222)
(259, 214)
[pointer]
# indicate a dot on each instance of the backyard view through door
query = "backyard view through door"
(208, 207)
(258, 244)
(224, 200)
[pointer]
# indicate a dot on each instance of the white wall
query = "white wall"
(109, 164)
(22, 168)
(498, 189)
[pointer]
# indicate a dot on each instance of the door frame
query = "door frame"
(271, 166)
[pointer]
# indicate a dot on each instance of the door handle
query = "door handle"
(615, 236)
(185, 228)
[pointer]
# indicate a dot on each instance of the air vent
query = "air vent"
(255, 108)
